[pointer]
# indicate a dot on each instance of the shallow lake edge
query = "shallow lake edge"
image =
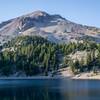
(46, 77)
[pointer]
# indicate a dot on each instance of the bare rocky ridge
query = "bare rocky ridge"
(53, 27)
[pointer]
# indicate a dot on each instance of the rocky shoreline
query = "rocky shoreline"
(64, 73)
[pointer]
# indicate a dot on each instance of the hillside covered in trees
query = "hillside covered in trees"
(32, 55)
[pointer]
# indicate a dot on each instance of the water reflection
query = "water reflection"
(29, 93)
(51, 90)
(81, 89)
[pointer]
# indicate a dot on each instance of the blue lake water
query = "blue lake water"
(53, 89)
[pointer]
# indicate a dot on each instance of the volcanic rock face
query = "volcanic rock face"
(53, 27)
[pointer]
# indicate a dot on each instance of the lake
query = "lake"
(49, 89)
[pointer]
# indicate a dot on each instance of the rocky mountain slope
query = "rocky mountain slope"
(53, 27)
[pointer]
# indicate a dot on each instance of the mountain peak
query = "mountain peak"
(37, 14)
(53, 27)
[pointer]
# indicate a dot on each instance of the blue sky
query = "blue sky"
(80, 11)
